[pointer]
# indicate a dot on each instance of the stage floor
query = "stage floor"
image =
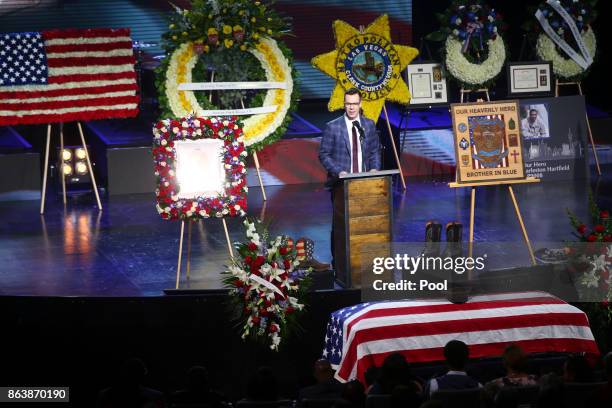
(128, 250)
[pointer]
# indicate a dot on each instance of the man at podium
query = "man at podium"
(349, 143)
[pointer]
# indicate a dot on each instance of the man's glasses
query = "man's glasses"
(351, 104)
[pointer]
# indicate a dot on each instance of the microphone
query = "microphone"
(360, 129)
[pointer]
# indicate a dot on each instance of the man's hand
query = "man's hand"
(342, 173)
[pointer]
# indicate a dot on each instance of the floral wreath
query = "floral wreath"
(266, 287)
(215, 34)
(474, 51)
(582, 14)
(230, 203)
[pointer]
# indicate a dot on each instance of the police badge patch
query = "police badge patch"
(487, 137)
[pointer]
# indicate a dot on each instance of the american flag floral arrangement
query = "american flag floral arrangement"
(67, 75)
(230, 203)
(267, 286)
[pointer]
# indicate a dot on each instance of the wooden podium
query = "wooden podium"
(363, 220)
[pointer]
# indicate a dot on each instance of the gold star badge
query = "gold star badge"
(369, 61)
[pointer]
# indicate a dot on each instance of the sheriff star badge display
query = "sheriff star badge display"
(369, 61)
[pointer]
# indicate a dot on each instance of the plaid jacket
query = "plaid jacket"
(335, 153)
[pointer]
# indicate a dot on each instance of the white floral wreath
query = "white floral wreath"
(564, 67)
(475, 74)
(256, 127)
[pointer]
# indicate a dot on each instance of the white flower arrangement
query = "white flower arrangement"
(564, 67)
(475, 74)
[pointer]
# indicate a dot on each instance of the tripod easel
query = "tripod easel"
(61, 169)
(508, 183)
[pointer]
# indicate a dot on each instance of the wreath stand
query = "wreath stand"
(509, 183)
(61, 169)
(578, 84)
(397, 159)
(465, 93)
(180, 251)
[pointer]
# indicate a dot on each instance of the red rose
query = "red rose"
(599, 228)
(604, 214)
(581, 229)
(273, 328)
(592, 238)
(283, 250)
(248, 260)
(604, 304)
(252, 246)
(289, 309)
(607, 238)
(238, 283)
(287, 264)
(605, 275)
(255, 319)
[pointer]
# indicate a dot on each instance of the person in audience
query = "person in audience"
(129, 392)
(515, 363)
(603, 396)
(198, 390)
(551, 392)
(405, 396)
(577, 369)
(353, 395)
(395, 371)
(457, 355)
(263, 385)
(371, 375)
(327, 387)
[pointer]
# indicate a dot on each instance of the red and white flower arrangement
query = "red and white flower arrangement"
(266, 285)
(230, 203)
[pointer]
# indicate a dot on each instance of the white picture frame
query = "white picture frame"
(200, 171)
(427, 83)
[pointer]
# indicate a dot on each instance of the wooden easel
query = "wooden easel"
(578, 84)
(180, 252)
(61, 169)
(464, 93)
(509, 183)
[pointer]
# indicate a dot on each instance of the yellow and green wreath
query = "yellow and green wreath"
(236, 41)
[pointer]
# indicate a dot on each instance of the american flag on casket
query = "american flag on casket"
(363, 335)
(67, 75)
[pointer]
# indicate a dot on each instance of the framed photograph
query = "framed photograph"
(200, 165)
(488, 142)
(529, 79)
(427, 83)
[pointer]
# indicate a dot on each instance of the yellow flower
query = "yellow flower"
(171, 26)
(237, 28)
(206, 48)
(199, 41)
(255, 36)
(243, 47)
(269, 18)
(212, 31)
(262, 29)
(174, 37)
(257, 3)
(253, 19)
(241, 13)
(269, 31)
(210, 16)
(228, 43)
(227, 29)
(185, 33)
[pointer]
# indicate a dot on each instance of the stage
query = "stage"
(128, 250)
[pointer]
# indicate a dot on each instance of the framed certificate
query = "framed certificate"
(529, 79)
(427, 83)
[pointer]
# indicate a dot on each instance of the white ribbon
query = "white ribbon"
(583, 60)
(267, 284)
(208, 86)
(238, 112)
(572, 25)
